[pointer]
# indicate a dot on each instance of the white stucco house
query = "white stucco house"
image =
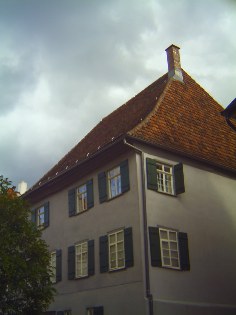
(140, 215)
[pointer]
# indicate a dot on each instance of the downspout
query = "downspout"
(145, 230)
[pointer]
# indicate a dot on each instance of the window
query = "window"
(169, 248)
(116, 250)
(114, 182)
(53, 267)
(81, 260)
(164, 178)
(81, 198)
(168, 179)
(97, 310)
(56, 265)
(81, 193)
(40, 216)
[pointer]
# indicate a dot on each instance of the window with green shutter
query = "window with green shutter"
(113, 182)
(169, 248)
(40, 216)
(165, 178)
(81, 261)
(80, 198)
(116, 250)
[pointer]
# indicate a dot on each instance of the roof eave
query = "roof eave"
(70, 175)
(184, 154)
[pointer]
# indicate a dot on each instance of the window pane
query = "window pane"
(174, 254)
(165, 245)
(169, 248)
(173, 245)
(166, 261)
(112, 238)
(82, 198)
(164, 178)
(116, 250)
(114, 182)
(163, 234)
(81, 259)
(175, 262)
(166, 253)
(172, 235)
(120, 236)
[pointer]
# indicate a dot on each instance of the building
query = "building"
(140, 215)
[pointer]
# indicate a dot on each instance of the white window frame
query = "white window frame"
(40, 216)
(169, 248)
(81, 198)
(114, 182)
(53, 265)
(81, 259)
(165, 178)
(116, 250)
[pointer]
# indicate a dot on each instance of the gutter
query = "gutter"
(145, 230)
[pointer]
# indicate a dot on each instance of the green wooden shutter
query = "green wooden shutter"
(103, 253)
(124, 171)
(90, 199)
(71, 262)
(58, 264)
(91, 264)
(71, 202)
(128, 238)
(151, 174)
(178, 179)
(183, 251)
(46, 214)
(155, 248)
(102, 186)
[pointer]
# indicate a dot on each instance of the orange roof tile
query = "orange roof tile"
(176, 116)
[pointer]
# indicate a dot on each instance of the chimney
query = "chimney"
(173, 60)
(22, 187)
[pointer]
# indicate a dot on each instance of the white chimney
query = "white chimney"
(174, 66)
(22, 187)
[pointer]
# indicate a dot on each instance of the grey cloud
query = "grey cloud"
(92, 56)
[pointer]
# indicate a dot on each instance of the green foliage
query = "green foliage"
(25, 286)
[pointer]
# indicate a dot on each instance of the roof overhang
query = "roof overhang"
(80, 170)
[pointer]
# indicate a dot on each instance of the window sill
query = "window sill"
(117, 269)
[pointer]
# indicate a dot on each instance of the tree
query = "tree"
(25, 285)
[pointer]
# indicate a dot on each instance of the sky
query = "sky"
(64, 65)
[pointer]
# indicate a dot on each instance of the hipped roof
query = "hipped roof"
(176, 116)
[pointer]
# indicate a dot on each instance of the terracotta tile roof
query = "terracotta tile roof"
(174, 115)
(188, 120)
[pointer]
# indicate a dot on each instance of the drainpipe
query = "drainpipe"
(145, 229)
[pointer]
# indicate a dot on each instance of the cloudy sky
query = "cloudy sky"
(64, 65)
